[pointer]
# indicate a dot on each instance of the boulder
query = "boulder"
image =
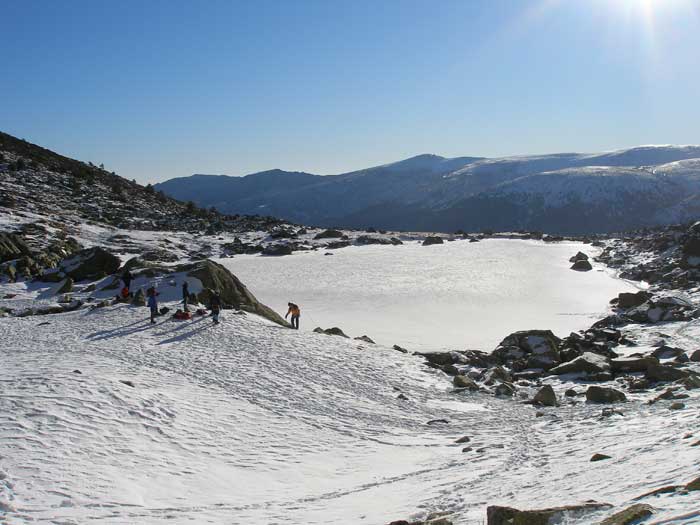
(65, 287)
(12, 247)
(233, 292)
(667, 352)
(337, 244)
(627, 300)
(497, 374)
(331, 331)
(329, 234)
(505, 390)
(496, 515)
(633, 514)
(603, 394)
(90, 264)
(693, 485)
(585, 364)
(599, 457)
(368, 239)
(632, 364)
(582, 266)
(365, 338)
(545, 397)
(461, 381)
(691, 247)
(580, 256)
(695, 356)
(430, 240)
(663, 373)
(277, 250)
(539, 349)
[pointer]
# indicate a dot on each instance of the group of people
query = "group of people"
(214, 301)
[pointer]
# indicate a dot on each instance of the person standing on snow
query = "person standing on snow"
(185, 295)
(296, 313)
(127, 278)
(126, 291)
(153, 304)
(215, 306)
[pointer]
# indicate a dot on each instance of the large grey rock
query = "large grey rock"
(582, 266)
(497, 515)
(90, 264)
(329, 234)
(627, 300)
(461, 381)
(663, 373)
(331, 331)
(277, 250)
(667, 352)
(580, 256)
(587, 363)
(233, 292)
(429, 241)
(545, 397)
(633, 364)
(695, 356)
(603, 394)
(537, 348)
(632, 514)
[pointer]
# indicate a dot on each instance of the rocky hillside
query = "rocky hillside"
(36, 180)
(568, 193)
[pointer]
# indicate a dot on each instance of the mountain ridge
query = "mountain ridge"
(433, 193)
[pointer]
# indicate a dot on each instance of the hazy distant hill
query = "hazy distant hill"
(564, 193)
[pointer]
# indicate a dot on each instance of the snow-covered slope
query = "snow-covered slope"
(107, 419)
(429, 192)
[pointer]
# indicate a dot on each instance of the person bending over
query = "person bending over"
(295, 312)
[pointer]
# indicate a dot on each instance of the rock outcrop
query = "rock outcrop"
(12, 247)
(509, 516)
(234, 293)
(602, 394)
(90, 264)
(429, 241)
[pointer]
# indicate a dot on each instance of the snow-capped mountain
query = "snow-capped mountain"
(559, 193)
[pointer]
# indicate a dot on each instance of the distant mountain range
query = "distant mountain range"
(569, 193)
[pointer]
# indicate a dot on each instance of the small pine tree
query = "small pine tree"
(149, 188)
(102, 166)
(190, 206)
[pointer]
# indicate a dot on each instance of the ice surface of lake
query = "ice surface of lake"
(452, 296)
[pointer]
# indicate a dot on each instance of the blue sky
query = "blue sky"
(160, 89)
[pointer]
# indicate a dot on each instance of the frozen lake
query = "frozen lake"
(452, 296)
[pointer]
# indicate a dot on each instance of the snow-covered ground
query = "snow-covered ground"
(107, 419)
(455, 295)
(248, 422)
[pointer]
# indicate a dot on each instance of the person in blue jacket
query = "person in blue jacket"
(153, 304)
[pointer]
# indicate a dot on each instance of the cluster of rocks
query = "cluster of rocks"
(645, 308)
(523, 359)
(667, 258)
(589, 511)
(580, 262)
(21, 258)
